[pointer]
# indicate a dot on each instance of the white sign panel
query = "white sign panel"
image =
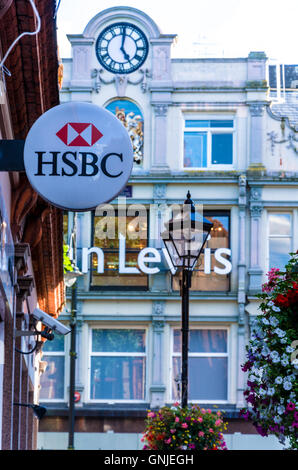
(77, 156)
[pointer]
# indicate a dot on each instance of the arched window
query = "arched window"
(131, 117)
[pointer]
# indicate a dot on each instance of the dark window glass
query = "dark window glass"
(52, 380)
(220, 238)
(208, 374)
(118, 340)
(201, 341)
(137, 230)
(208, 378)
(118, 364)
(222, 149)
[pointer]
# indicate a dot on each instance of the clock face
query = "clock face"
(121, 48)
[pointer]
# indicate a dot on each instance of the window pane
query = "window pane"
(202, 341)
(208, 123)
(118, 340)
(279, 249)
(135, 232)
(222, 123)
(208, 378)
(219, 232)
(195, 150)
(52, 380)
(222, 149)
(106, 233)
(57, 344)
(219, 239)
(280, 224)
(197, 123)
(208, 341)
(120, 378)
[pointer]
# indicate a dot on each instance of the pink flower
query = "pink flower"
(291, 406)
(218, 422)
(151, 414)
(200, 419)
(168, 441)
(218, 413)
(176, 403)
(273, 274)
(211, 430)
(209, 411)
(172, 431)
(184, 425)
(177, 419)
(201, 434)
(203, 411)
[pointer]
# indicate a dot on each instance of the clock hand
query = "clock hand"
(126, 56)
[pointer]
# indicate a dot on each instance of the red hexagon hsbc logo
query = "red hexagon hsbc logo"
(79, 134)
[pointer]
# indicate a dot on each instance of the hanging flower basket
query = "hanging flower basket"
(191, 428)
(272, 365)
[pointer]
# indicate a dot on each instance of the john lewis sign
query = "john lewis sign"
(77, 156)
(149, 259)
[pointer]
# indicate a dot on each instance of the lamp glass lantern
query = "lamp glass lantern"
(186, 235)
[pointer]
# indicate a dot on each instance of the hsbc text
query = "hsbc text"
(72, 163)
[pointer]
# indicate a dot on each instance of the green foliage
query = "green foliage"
(67, 265)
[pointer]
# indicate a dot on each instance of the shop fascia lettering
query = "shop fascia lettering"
(152, 256)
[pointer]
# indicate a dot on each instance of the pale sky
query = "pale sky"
(232, 28)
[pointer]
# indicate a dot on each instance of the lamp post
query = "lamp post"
(70, 279)
(185, 238)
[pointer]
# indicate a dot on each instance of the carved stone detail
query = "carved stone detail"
(121, 81)
(161, 63)
(256, 109)
(159, 191)
(158, 308)
(160, 109)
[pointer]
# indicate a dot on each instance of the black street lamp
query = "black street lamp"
(185, 237)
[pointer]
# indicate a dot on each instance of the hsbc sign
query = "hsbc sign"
(77, 156)
(79, 134)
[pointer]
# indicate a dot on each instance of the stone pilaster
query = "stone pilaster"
(256, 209)
(159, 160)
(242, 201)
(256, 135)
(157, 388)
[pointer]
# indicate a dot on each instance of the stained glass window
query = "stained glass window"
(131, 117)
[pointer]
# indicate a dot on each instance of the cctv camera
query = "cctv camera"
(50, 322)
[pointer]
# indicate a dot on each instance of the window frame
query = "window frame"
(227, 354)
(269, 236)
(117, 288)
(210, 131)
(118, 354)
(57, 354)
